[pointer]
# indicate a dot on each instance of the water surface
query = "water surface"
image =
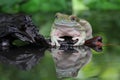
(67, 63)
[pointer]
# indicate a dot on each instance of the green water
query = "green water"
(72, 63)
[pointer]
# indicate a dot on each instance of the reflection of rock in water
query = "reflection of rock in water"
(71, 60)
(24, 58)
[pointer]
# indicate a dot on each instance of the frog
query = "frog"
(70, 25)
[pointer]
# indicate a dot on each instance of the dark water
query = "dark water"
(66, 63)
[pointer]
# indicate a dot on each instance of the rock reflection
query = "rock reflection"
(69, 60)
(23, 57)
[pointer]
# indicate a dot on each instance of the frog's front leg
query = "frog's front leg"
(54, 40)
(81, 39)
(55, 37)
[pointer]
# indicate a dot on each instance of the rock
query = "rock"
(19, 26)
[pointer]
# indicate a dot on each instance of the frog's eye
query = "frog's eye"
(56, 16)
(73, 18)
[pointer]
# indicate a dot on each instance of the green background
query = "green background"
(103, 15)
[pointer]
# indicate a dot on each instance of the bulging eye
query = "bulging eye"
(56, 16)
(73, 18)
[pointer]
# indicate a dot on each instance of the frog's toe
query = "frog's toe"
(79, 43)
(52, 44)
(82, 42)
(76, 44)
(60, 39)
(57, 44)
(74, 38)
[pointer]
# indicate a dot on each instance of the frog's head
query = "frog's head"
(63, 20)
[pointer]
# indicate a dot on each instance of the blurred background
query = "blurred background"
(103, 15)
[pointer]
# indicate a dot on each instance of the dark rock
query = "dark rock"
(20, 27)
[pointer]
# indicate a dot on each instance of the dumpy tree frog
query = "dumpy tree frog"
(70, 25)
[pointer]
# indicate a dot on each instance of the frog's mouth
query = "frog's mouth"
(66, 24)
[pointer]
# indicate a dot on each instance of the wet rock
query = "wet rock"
(20, 27)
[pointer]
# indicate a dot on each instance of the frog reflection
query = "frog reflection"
(70, 60)
(24, 58)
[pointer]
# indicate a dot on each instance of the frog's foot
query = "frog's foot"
(79, 42)
(55, 41)
(60, 39)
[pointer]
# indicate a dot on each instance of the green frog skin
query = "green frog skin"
(70, 25)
